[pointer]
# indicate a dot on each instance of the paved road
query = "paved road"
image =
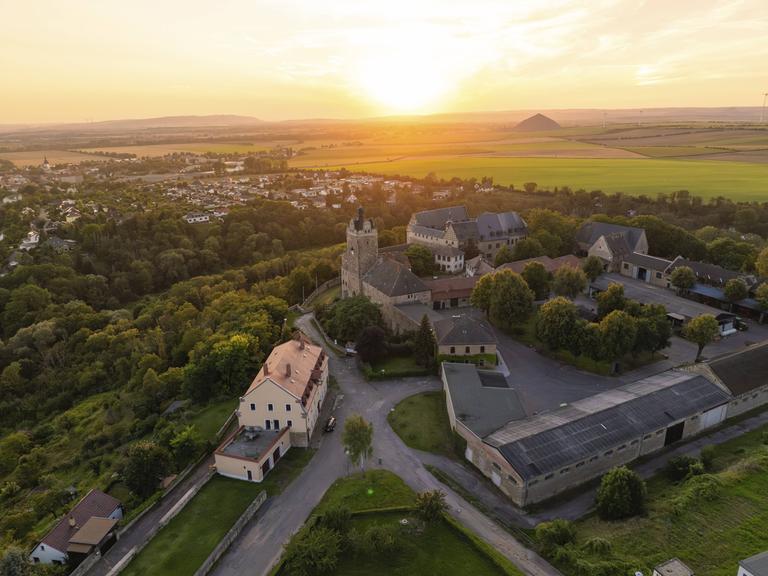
(260, 545)
(137, 532)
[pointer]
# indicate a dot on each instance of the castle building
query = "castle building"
(361, 254)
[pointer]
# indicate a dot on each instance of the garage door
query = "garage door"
(713, 417)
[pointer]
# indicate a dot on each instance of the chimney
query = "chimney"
(266, 369)
(288, 370)
(72, 522)
(301, 343)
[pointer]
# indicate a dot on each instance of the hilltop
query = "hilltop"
(537, 122)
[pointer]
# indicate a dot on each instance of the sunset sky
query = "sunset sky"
(79, 60)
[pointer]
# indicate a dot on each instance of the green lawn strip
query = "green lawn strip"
(422, 423)
(211, 418)
(372, 490)
(394, 367)
(710, 534)
(182, 546)
(440, 550)
(327, 296)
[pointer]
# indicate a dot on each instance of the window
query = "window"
(270, 407)
(532, 482)
(548, 476)
(659, 433)
(633, 442)
(289, 423)
(453, 349)
(626, 266)
(511, 479)
(496, 466)
(466, 349)
(694, 418)
(253, 407)
(579, 464)
(593, 458)
(564, 470)
(647, 436)
(621, 447)
(658, 275)
(268, 424)
(609, 452)
(287, 407)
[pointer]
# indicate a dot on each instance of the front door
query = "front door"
(250, 476)
(276, 455)
(265, 468)
(276, 424)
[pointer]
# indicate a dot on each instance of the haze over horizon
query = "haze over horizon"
(79, 61)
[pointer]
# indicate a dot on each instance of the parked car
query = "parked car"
(330, 426)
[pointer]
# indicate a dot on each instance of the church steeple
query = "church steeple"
(360, 256)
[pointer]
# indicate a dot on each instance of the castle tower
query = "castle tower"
(360, 256)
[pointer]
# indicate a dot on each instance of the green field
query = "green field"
(710, 533)
(422, 423)
(735, 180)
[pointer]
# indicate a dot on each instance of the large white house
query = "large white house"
(279, 410)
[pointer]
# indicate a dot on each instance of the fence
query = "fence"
(230, 536)
(178, 507)
(320, 289)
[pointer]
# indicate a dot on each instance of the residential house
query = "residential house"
(590, 232)
(465, 336)
(279, 410)
(197, 217)
(645, 268)
(88, 527)
(451, 291)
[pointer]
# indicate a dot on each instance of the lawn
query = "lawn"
(182, 546)
(709, 534)
(422, 423)
(736, 180)
(396, 366)
(327, 297)
(443, 549)
(211, 418)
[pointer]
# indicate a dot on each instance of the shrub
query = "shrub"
(680, 467)
(621, 494)
(379, 540)
(598, 546)
(554, 534)
(313, 553)
(702, 488)
(337, 519)
(707, 456)
(430, 505)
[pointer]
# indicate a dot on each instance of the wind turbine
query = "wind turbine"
(762, 110)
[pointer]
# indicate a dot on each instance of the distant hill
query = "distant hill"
(164, 122)
(537, 122)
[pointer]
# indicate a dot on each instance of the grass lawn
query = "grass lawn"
(327, 297)
(709, 534)
(706, 178)
(422, 423)
(211, 418)
(394, 366)
(443, 549)
(374, 489)
(186, 541)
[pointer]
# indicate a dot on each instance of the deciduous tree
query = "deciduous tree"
(538, 279)
(593, 267)
(569, 282)
(145, 465)
(358, 439)
(702, 330)
(424, 345)
(621, 494)
(557, 324)
(511, 299)
(683, 278)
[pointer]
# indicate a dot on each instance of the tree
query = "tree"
(538, 279)
(145, 465)
(702, 330)
(358, 439)
(761, 263)
(569, 282)
(424, 344)
(421, 259)
(511, 299)
(379, 540)
(527, 248)
(593, 267)
(761, 295)
(617, 334)
(371, 344)
(610, 299)
(653, 329)
(551, 535)
(14, 563)
(736, 289)
(482, 292)
(338, 519)
(313, 552)
(621, 494)
(345, 319)
(430, 505)
(185, 445)
(683, 278)
(503, 256)
(557, 324)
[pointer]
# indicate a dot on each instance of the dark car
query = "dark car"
(330, 426)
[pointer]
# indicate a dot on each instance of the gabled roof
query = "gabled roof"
(617, 244)
(295, 366)
(572, 434)
(451, 287)
(591, 231)
(439, 217)
(478, 265)
(743, 371)
(462, 331)
(426, 231)
(393, 278)
(501, 223)
(711, 273)
(646, 261)
(95, 503)
(757, 564)
(466, 230)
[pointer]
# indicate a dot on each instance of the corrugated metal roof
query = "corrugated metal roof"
(577, 440)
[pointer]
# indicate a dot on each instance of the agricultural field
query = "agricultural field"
(736, 180)
(35, 157)
(195, 147)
